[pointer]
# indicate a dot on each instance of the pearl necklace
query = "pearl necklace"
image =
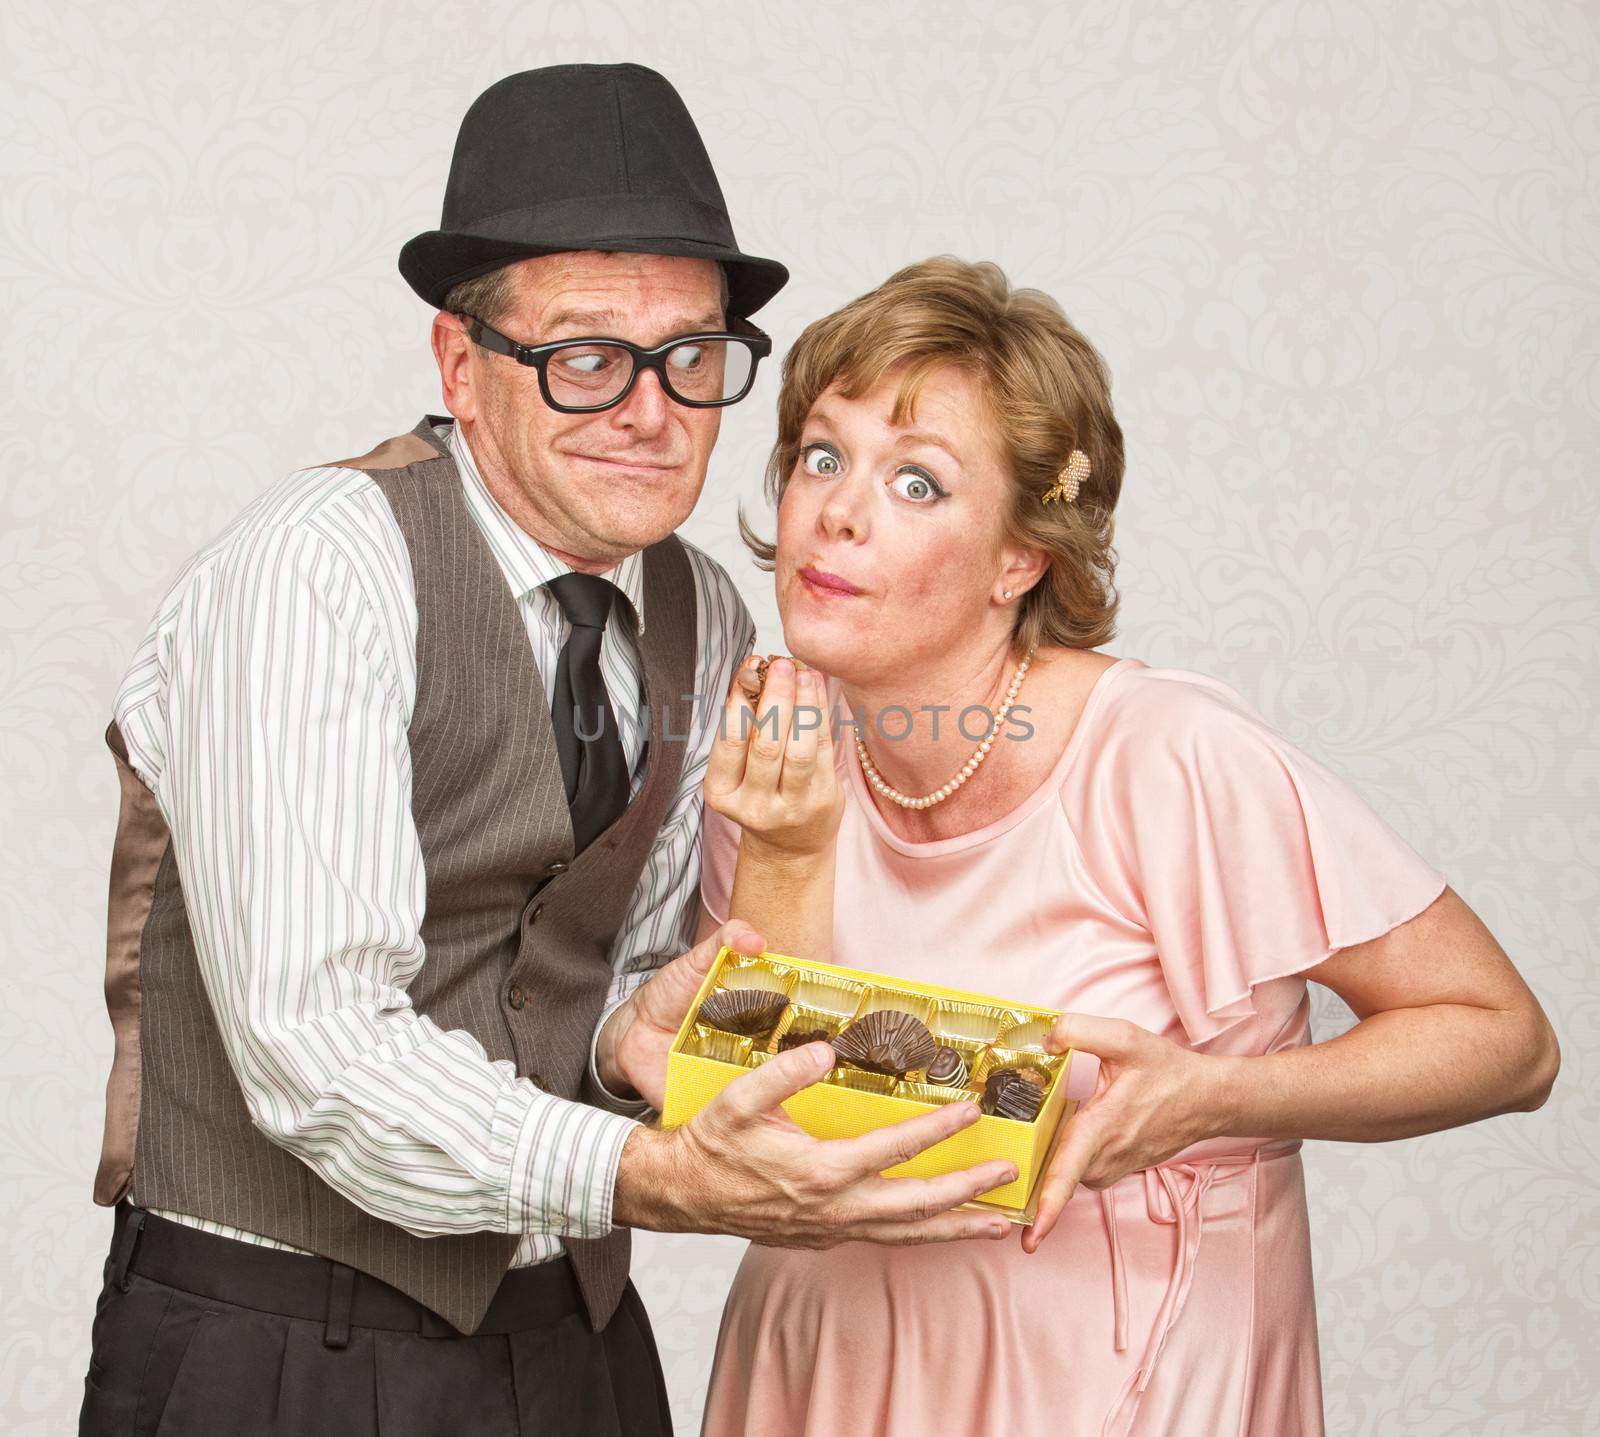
(970, 767)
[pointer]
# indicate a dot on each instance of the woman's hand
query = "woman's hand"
(1153, 1098)
(773, 772)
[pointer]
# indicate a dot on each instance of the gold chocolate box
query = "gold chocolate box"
(987, 1033)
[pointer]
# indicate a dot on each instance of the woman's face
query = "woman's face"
(889, 536)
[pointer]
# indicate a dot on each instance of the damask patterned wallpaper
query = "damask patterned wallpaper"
(1344, 261)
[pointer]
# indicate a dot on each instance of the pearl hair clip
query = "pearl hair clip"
(1070, 478)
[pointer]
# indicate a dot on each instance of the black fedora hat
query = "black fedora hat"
(581, 157)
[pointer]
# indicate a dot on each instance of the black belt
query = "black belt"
(293, 1284)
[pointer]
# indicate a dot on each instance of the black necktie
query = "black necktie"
(587, 739)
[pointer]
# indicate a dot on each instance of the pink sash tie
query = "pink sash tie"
(1173, 1194)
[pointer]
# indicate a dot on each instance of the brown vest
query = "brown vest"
(509, 907)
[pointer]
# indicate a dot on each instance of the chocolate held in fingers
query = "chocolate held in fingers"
(752, 680)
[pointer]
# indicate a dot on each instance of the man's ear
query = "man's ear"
(452, 351)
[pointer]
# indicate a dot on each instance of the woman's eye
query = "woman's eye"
(917, 486)
(820, 461)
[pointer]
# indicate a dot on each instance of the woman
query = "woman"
(1141, 851)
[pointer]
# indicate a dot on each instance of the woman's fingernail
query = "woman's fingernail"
(807, 679)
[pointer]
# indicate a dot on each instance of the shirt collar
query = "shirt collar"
(526, 563)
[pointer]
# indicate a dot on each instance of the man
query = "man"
(411, 800)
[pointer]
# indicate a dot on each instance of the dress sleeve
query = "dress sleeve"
(719, 856)
(1249, 860)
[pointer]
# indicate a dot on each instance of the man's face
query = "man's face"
(591, 487)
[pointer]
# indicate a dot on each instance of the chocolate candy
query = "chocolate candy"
(753, 681)
(795, 1038)
(1014, 1093)
(888, 1041)
(749, 1012)
(947, 1068)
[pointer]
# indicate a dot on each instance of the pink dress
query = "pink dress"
(1179, 867)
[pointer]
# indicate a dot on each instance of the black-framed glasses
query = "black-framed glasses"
(580, 376)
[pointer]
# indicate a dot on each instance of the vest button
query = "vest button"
(516, 998)
(556, 867)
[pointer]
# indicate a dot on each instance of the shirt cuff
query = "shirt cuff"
(630, 1107)
(564, 1168)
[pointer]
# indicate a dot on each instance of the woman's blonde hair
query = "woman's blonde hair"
(1048, 392)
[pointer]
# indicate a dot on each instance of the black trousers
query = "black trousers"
(203, 1336)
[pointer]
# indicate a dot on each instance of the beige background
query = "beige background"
(1343, 261)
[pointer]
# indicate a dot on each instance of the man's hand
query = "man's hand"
(1153, 1098)
(742, 1166)
(632, 1051)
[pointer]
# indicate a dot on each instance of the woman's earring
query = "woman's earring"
(1008, 593)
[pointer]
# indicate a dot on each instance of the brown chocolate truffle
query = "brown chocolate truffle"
(1011, 1093)
(749, 1012)
(752, 681)
(947, 1068)
(1019, 1101)
(796, 1038)
(888, 1041)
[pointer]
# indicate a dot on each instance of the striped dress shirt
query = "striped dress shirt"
(303, 877)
